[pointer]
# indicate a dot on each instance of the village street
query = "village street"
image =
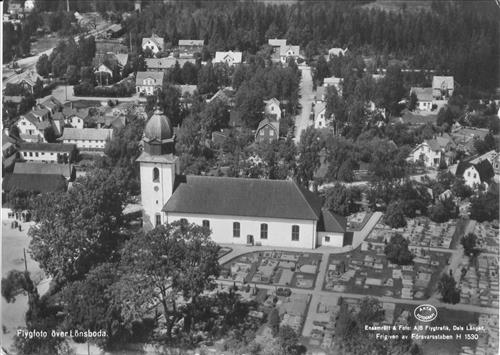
(302, 120)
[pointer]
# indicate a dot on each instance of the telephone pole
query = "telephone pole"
(67, 5)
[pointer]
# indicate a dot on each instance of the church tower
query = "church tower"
(158, 168)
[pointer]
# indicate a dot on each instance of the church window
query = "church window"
(206, 223)
(158, 219)
(263, 231)
(156, 175)
(327, 239)
(295, 233)
(236, 229)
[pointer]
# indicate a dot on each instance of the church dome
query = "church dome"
(158, 127)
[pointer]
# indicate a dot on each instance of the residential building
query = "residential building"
(147, 82)
(433, 152)
(289, 52)
(235, 119)
(9, 154)
(103, 75)
(336, 52)
(66, 170)
(424, 98)
(320, 94)
(267, 131)
(47, 152)
(230, 58)
(226, 95)
(188, 47)
(277, 43)
(153, 43)
(320, 119)
(442, 87)
(32, 127)
(52, 104)
(273, 213)
(475, 174)
(159, 64)
(114, 31)
(87, 138)
(465, 137)
(110, 46)
(28, 80)
(76, 118)
(272, 107)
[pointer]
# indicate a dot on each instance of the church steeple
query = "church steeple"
(158, 134)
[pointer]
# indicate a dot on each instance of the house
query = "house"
(442, 87)
(87, 138)
(219, 137)
(103, 74)
(494, 158)
(320, 119)
(9, 154)
(153, 43)
(336, 52)
(47, 152)
(37, 183)
(109, 46)
(235, 119)
(465, 137)
(66, 170)
(114, 31)
(289, 52)
(230, 58)
(272, 107)
(276, 43)
(267, 131)
(112, 122)
(159, 64)
(147, 82)
(32, 128)
(28, 80)
(226, 95)
(335, 82)
(424, 98)
(475, 174)
(273, 213)
(320, 94)
(433, 152)
(76, 118)
(52, 104)
(188, 47)
(29, 5)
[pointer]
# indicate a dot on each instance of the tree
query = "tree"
(469, 242)
(447, 288)
(397, 251)
(443, 211)
(485, 205)
(78, 229)
(394, 216)
(43, 65)
(309, 148)
(340, 199)
(249, 103)
(157, 266)
(288, 340)
(412, 105)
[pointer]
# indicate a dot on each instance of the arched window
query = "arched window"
(156, 175)
(158, 219)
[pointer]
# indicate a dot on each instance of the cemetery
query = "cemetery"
(487, 236)
(292, 269)
(367, 271)
(479, 281)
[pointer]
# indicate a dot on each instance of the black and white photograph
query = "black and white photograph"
(250, 177)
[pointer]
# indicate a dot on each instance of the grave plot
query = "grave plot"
(479, 281)
(368, 272)
(289, 269)
(487, 237)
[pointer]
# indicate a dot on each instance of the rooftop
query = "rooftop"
(43, 169)
(99, 134)
(47, 147)
(34, 182)
(244, 197)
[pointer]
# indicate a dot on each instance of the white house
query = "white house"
(147, 82)
(475, 174)
(320, 120)
(288, 52)
(442, 87)
(230, 58)
(275, 42)
(272, 107)
(424, 98)
(275, 213)
(87, 138)
(76, 119)
(337, 52)
(32, 128)
(434, 151)
(103, 74)
(154, 43)
(47, 152)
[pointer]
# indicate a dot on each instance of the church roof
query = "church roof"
(158, 127)
(244, 197)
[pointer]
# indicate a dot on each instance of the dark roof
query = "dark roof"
(34, 182)
(43, 168)
(331, 222)
(47, 147)
(244, 197)
(235, 119)
(485, 170)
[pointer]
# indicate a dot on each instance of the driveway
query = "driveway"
(302, 120)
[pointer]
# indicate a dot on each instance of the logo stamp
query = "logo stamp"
(425, 313)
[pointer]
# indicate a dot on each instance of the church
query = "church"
(273, 213)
